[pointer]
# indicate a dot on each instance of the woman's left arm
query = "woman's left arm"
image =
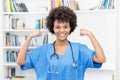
(99, 56)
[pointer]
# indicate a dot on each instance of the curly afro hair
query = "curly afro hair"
(63, 14)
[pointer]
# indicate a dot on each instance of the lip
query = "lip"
(62, 35)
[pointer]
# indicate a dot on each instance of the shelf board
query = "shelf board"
(43, 30)
(95, 11)
(10, 64)
(25, 13)
(77, 11)
(16, 48)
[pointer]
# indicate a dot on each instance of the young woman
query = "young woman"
(61, 60)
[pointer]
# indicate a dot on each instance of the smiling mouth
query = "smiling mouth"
(62, 35)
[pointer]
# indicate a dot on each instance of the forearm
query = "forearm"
(99, 56)
(22, 54)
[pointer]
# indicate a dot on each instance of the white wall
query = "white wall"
(0, 45)
(0, 38)
(118, 47)
(36, 5)
(104, 28)
(103, 25)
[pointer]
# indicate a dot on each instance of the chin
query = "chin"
(63, 39)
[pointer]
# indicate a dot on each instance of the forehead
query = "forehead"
(60, 21)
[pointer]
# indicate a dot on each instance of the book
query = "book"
(52, 2)
(8, 56)
(106, 3)
(8, 6)
(19, 6)
(15, 5)
(11, 72)
(22, 7)
(37, 24)
(58, 3)
(7, 39)
(12, 6)
(11, 56)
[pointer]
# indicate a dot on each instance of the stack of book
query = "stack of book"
(73, 4)
(14, 6)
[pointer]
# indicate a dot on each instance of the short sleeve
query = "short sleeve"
(91, 63)
(28, 64)
(87, 57)
(35, 57)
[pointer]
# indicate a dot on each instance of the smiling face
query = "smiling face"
(61, 30)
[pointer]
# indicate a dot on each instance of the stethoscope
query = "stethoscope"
(74, 64)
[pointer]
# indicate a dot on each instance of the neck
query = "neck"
(61, 43)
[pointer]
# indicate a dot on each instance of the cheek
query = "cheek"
(55, 32)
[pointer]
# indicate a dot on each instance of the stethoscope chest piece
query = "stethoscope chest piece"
(74, 65)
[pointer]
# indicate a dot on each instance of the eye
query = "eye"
(57, 27)
(65, 27)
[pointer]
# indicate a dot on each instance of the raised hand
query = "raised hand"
(99, 56)
(22, 54)
(84, 32)
(35, 33)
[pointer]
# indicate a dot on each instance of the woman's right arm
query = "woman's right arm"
(22, 54)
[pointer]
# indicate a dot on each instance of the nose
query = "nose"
(61, 29)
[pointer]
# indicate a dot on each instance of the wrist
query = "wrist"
(29, 37)
(89, 34)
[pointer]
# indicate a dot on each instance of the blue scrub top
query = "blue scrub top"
(61, 69)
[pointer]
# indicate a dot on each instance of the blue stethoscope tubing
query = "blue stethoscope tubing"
(57, 57)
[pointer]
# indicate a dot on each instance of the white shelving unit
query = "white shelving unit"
(29, 18)
(103, 23)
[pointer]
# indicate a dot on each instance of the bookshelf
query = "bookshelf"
(16, 27)
(96, 17)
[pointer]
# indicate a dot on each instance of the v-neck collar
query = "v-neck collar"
(65, 49)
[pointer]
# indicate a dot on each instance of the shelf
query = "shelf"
(24, 13)
(23, 32)
(11, 64)
(104, 11)
(77, 11)
(43, 30)
(15, 48)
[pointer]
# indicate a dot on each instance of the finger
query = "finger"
(40, 33)
(81, 33)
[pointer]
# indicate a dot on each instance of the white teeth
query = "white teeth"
(62, 35)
